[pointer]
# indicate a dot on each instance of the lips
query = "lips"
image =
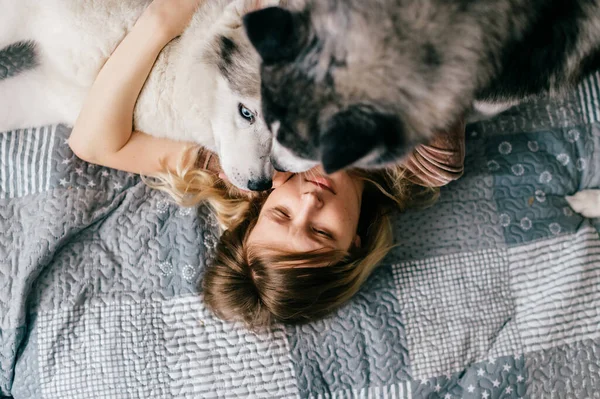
(323, 183)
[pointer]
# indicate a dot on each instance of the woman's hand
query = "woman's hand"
(171, 17)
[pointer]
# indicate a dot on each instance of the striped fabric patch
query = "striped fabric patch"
(589, 93)
(177, 339)
(555, 284)
(395, 391)
(25, 161)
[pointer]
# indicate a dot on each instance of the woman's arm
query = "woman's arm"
(440, 161)
(103, 131)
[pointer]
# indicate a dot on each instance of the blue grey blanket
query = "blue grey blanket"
(494, 292)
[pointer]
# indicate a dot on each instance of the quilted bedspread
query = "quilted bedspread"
(494, 292)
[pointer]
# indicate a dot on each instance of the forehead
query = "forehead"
(232, 54)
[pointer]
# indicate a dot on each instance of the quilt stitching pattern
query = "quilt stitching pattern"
(489, 294)
(450, 304)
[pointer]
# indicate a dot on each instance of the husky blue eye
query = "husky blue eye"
(246, 113)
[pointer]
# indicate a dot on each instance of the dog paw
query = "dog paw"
(586, 203)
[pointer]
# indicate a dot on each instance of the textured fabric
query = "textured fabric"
(491, 293)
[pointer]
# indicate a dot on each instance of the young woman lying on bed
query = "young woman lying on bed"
(292, 254)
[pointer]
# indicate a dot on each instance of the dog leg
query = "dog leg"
(586, 203)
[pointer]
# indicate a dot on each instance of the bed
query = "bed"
(494, 292)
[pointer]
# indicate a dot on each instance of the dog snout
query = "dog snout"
(358, 134)
(276, 165)
(260, 184)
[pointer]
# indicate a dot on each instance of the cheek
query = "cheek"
(351, 198)
(347, 216)
(353, 211)
(353, 216)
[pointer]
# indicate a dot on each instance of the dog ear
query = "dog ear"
(277, 34)
(354, 133)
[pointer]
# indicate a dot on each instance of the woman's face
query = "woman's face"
(310, 211)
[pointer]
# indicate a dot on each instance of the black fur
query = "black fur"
(16, 58)
(227, 54)
(431, 56)
(529, 61)
(416, 66)
(353, 133)
(273, 34)
(228, 49)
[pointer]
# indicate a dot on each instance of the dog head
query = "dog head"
(242, 139)
(357, 83)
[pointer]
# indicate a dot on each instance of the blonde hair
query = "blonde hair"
(260, 285)
(189, 185)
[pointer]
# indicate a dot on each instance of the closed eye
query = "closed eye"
(322, 233)
(246, 113)
(282, 216)
(281, 213)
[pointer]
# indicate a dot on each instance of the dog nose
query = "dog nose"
(260, 185)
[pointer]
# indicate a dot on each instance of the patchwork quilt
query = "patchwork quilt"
(494, 292)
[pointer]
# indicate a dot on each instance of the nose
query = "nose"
(312, 200)
(260, 185)
(310, 205)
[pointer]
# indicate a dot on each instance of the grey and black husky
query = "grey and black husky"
(360, 82)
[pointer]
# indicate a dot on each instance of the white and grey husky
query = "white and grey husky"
(204, 87)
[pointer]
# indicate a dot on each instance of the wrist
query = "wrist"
(208, 161)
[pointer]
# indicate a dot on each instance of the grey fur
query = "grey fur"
(401, 70)
(238, 66)
(16, 58)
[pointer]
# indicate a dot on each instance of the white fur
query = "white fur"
(586, 203)
(185, 97)
(286, 160)
(482, 110)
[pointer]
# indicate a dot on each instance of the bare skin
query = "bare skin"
(103, 132)
(309, 212)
